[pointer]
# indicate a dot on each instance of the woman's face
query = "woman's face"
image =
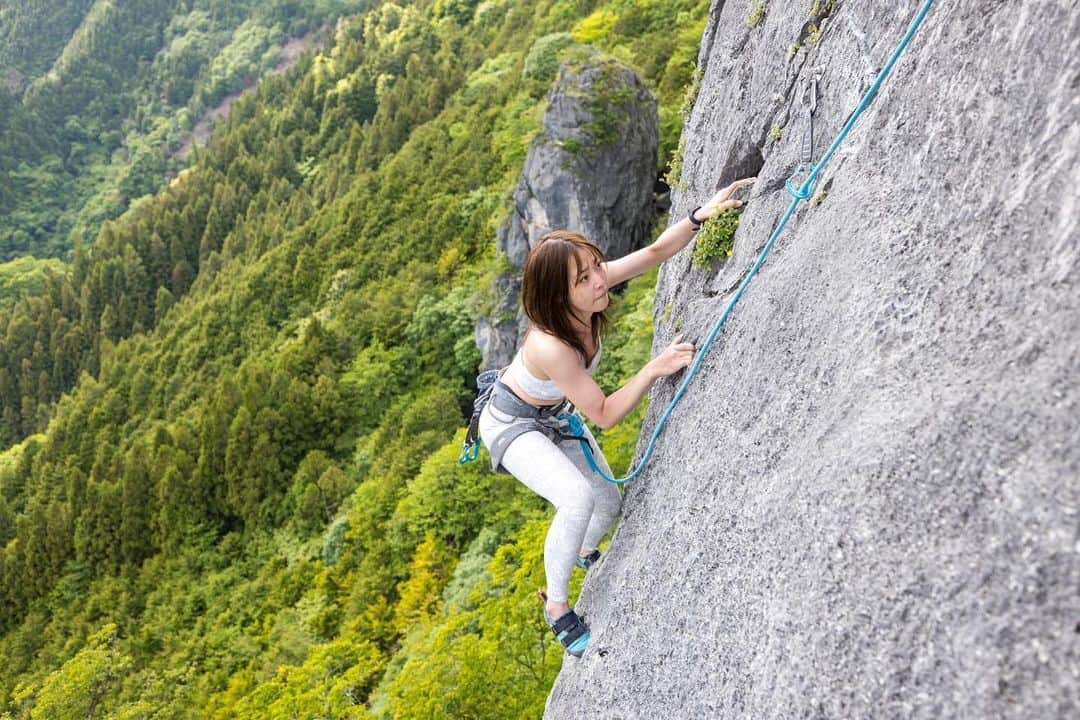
(588, 285)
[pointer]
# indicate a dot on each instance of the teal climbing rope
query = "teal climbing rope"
(798, 194)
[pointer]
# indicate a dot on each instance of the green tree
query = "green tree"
(78, 690)
(137, 507)
(496, 661)
(419, 596)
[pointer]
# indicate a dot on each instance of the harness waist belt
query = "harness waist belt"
(507, 401)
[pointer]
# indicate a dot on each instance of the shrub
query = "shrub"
(542, 62)
(757, 13)
(715, 238)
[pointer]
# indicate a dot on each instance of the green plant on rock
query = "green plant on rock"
(715, 239)
(690, 97)
(674, 172)
(674, 168)
(571, 145)
(776, 132)
(822, 8)
(757, 13)
(665, 318)
(542, 61)
(608, 104)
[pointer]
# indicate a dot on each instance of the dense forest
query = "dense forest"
(99, 101)
(232, 420)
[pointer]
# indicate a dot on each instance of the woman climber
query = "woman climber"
(564, 293)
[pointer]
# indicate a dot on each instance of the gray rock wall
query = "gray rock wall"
(591, 170)
(868, 503)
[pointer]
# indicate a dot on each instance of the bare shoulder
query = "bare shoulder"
(546, 350)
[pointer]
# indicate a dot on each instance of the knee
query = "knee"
(579, 502)
(608, 505)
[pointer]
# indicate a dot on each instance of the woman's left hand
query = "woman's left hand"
(722, 200)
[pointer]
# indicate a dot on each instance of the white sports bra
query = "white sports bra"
(543, 389)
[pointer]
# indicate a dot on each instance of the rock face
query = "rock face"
(868, 503)
(591, 170)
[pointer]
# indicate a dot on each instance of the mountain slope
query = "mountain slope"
(32, 35)
(99, 97)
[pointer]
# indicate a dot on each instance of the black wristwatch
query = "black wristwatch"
(693, 220)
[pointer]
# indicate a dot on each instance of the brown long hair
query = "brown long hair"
(545, 289)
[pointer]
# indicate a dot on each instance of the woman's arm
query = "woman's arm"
(560, 362)
(672, 240)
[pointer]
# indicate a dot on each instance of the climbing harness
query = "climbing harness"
(552, 420)
(800, 193)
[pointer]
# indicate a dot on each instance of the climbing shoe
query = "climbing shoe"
(588, 561)
(570, 630)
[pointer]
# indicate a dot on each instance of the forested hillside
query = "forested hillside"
(98, 100)
(231, 488)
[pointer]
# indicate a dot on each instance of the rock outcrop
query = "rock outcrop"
(592, 170)
(868, 503)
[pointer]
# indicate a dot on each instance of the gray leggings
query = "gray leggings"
(586, 505)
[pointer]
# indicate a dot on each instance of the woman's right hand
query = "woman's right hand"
(722, 200)
(673, 358)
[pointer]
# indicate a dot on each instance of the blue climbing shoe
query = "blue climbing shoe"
(588, 561)
(570, 630)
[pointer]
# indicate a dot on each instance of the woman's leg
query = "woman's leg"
(607, 498)
(543, 467)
